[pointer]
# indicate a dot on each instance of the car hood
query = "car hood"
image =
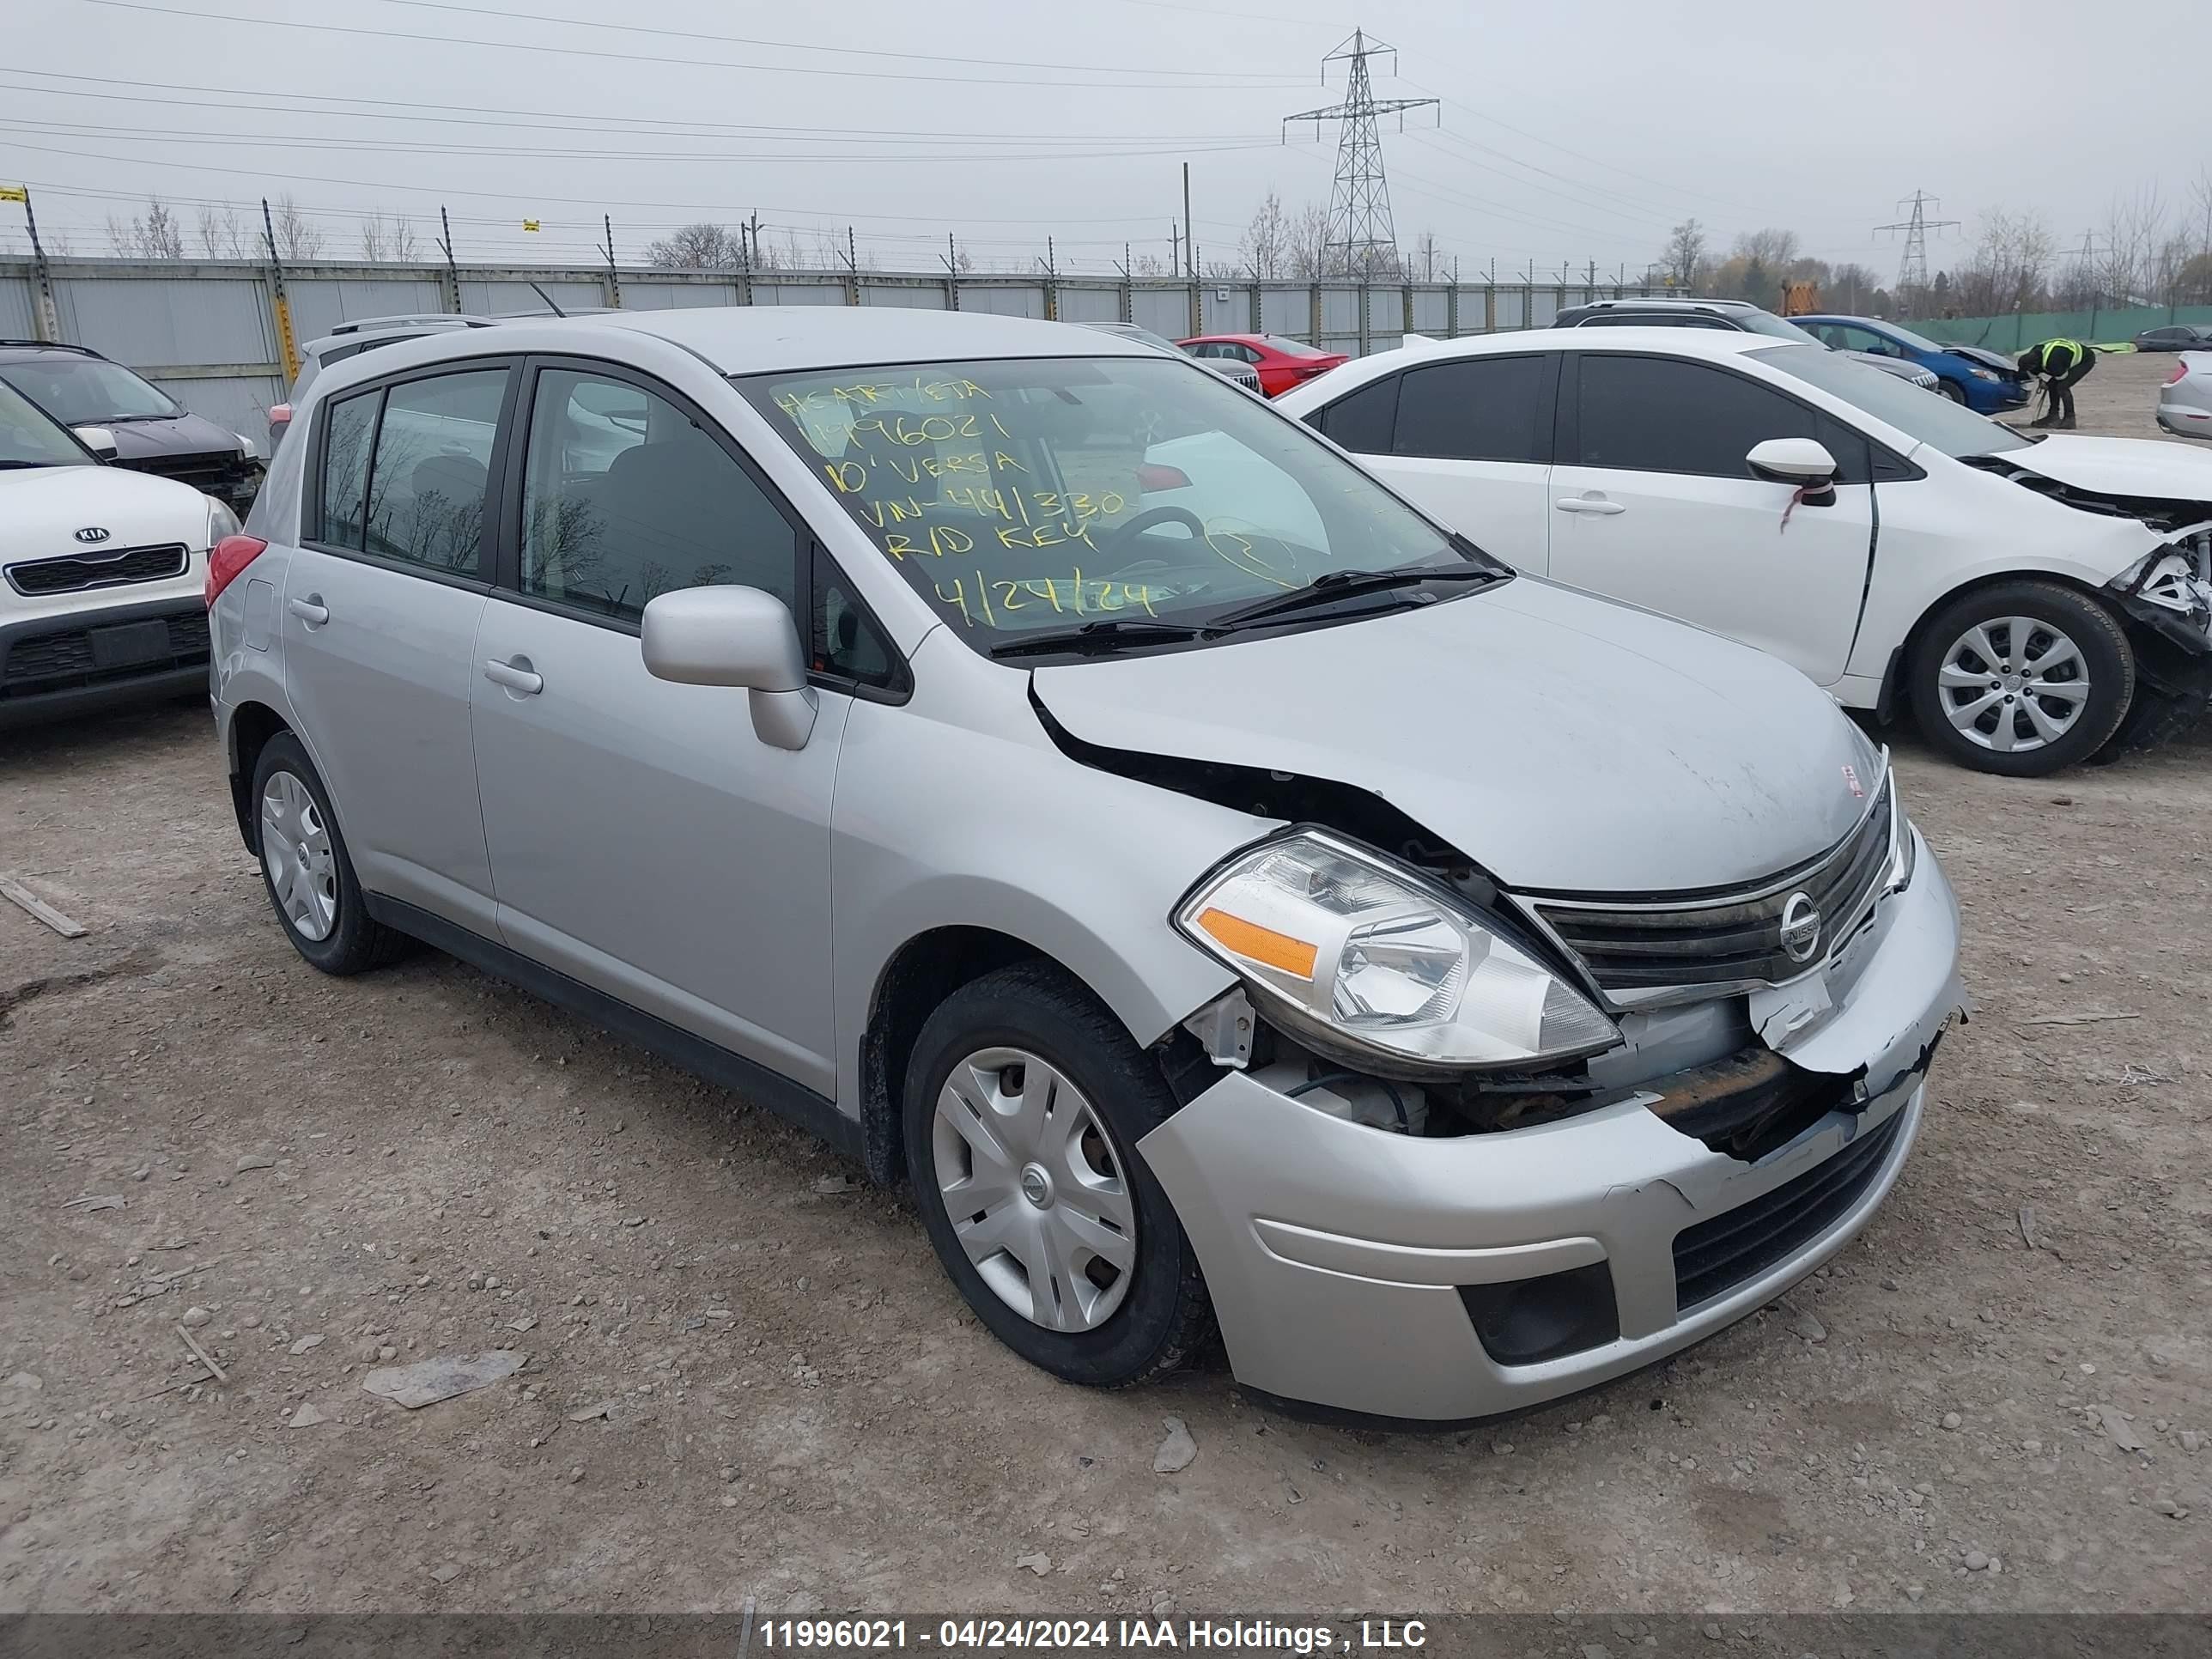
(1562, 742)
(42, 508)
(180, 435)
(2140, 467)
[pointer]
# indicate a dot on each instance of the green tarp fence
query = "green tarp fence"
(2021, 329)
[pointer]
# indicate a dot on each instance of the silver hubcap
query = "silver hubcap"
(1035, 1190)
(295, 850)
(2014, 683)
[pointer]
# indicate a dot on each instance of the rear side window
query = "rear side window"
(1662, 414)
(432, 469)
(350, 428)
(624, 498)
(1482, 409)
(1363, 421)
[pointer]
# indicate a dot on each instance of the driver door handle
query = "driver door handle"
(1589, 504)
(514, 678)
(310, 610)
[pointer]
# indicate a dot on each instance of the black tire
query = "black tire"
(355, 942)
(2106, 654)
(1165, 1315)
(1951, 390)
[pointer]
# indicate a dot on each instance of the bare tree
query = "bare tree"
(1773, 247)
(374, 240)
(405, 247)
(221, 234)
(297, 236)
(153, 234)
(1684, 255)
(1308, 258)
(1425, 258)
(1264, 246)
(2135, 226)
(698, 246)
(1150, 264)
(1851, 289)
(2009, 264)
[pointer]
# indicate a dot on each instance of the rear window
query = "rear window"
(1290, 347)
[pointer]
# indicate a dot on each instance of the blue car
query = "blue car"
(1983, 381)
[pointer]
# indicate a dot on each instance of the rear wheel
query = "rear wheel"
(1024, 1102)
(304, 868)
(2022, 678)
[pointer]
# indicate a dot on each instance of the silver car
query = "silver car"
(2185, 402)
(1063, 782)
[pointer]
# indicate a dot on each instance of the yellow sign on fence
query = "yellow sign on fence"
(529, 224)
(13, 193)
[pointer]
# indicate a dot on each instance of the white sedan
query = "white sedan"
(2033, 600)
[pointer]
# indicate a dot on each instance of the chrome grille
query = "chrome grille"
(73, 573)
(1729, 937)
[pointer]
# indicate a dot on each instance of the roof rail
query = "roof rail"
(463, 319)
(53, 345)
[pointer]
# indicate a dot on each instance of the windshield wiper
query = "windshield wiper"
(1108, 635)
(1334, 584)
(6, 465)
(124, 419)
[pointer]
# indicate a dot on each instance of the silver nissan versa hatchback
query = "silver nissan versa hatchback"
(1059, 779)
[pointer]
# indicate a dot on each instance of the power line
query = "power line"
(1359, 226)
(843, 51)
(561, 121)
(601, 54)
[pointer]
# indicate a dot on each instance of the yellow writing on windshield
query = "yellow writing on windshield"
(982, 599)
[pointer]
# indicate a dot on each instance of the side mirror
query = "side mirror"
(97, 439)
(1803, 462)
(735, 636)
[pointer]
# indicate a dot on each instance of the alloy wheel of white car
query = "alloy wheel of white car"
(1033, 1184)
(2014, 683)
(296, 851)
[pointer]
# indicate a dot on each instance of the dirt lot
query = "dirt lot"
(797, 1409)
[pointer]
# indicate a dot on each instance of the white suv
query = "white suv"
(101, 573)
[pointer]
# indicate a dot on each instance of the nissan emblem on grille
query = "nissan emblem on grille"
(90, 534)
(1801, 928)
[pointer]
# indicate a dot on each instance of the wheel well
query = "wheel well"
(926, 969)
(250, 728)
(1899, 694)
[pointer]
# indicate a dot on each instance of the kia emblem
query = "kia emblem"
(91, 534)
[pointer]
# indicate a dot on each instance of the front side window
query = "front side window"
(1016, 496)
(349, 427)
(624, 498)
(88, 391)
(1480, 409)
(29, 438)
(432, 468)
(1665, 415)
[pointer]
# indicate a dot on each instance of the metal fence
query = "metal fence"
(208, 333)
(2018, 330)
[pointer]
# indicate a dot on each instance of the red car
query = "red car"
(1282, 363)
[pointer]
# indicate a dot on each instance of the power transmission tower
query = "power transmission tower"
(1361, 241)
(1912, 268)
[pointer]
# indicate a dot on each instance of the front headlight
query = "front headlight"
(1344, 947)
(247, 449)
(1983, 374)
(1904, 846)
(222, 521)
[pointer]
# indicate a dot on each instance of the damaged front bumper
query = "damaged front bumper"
(2166, 596)
(1444, 1278)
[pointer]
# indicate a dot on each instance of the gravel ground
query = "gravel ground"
(317, 1176)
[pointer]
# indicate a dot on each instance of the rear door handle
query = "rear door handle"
(1589, 504)
(515, 676)
(310, 610)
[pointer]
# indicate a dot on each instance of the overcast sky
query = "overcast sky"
(1569, 132)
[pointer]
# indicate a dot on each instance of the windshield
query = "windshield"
(1934, 419)
(88, 391)
(29, 438)
(1917, 341)
(1023, 494)
(1756, 321)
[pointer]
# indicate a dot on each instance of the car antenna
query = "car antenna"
(548, 298)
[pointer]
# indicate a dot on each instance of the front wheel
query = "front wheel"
(2022, 678)
(1950, 389)
(1024, 1101)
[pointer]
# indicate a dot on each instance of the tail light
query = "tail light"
(2180, 368)
(231, 554)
